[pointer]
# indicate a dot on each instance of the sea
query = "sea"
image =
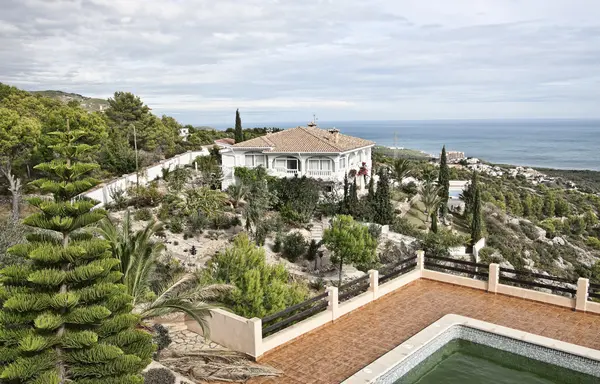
(561, 144)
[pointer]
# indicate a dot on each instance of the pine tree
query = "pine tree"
(476, 222)
(239, 133)
(444, 182)
(64, 316)
(384, 210)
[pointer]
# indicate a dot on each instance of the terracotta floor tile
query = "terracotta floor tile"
(333, 353)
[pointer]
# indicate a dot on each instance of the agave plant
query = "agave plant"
(139, 253)
(237, 193)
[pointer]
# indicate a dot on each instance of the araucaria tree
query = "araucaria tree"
(64, 318)
(239, 133)
(350, 242)
(383, 209)
(444, 183)
(476, 221)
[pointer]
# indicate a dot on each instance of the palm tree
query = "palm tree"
(401, 168)
(237, 193)
(430, 196)
(139, 254)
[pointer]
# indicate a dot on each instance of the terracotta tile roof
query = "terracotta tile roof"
(226, 140)
(305, 139)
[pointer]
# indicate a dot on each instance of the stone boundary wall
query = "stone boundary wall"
(102, 192)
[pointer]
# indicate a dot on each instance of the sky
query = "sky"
(283, 60)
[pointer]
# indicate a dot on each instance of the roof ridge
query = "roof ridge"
(306, 129)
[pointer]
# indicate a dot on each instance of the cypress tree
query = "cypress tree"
(469, 194)
(345, 205)
(444, 182)
(239, 133)
(434, 223)
(353, 202)
(384, 210)
(476, 222)
(371, 202)
(65, 317)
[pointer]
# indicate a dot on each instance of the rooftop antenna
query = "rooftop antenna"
(313, 123)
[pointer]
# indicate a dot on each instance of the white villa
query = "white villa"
(323, 154)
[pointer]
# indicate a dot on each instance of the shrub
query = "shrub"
(176, 226)
(221, 222)
(260, 289)
(159, 376)
(143, 214)
(196, 222)
(593, 242)
(410, 189)
(145, 196)
(403, 226)
(438, 243)
(294, 246)
(235, 221)
(161, 338)
(277, 243)
(375, 231)
(486, 255)
(119, 200)
(529, 230)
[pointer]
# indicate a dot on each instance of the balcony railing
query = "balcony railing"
(289, 172)
(319, 173)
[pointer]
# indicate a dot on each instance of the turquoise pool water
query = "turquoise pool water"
(464, 362)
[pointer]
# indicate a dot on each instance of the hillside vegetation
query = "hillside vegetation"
(90, 104)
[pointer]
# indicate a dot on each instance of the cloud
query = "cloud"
(282, 60)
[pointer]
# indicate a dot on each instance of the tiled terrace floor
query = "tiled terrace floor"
(337, 351)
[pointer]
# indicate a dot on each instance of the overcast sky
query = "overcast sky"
(283, 60)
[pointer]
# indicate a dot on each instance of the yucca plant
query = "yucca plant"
(139, 254)
(65, 317)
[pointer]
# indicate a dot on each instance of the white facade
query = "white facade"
(324, 166)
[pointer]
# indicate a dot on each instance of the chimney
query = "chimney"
(336, 135)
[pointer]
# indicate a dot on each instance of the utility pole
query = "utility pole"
(395, 144)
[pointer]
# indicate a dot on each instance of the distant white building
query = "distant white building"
(184, 133)
(323, 154)
(454, 156)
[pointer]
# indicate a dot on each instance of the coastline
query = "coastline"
(587, 180)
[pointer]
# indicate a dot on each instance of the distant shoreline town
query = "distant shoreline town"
(459, 159)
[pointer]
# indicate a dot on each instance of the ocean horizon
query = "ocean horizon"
(545, 143)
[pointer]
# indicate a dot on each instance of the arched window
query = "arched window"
(352, 159)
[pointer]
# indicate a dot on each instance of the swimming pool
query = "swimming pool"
(465, 362)
(463, 350)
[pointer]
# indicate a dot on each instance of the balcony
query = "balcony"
(319, 173)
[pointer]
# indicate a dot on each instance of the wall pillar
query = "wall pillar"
(581, 297)
(493, 277)
(333, 302)
(374, 283)
(255, 329)
(421, 262)
(105, 195)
